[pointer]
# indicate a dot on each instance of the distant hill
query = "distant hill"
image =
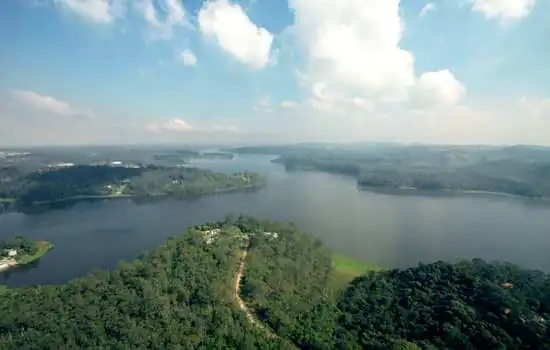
(296, 295)
(516, 170)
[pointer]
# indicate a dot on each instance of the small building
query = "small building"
(12, 252)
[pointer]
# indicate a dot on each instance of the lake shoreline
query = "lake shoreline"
(122, 196)
(447, 192)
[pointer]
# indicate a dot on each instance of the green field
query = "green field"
(4, 200)
(345, 269)
(42, 248)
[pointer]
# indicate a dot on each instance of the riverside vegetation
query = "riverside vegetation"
(182, 295)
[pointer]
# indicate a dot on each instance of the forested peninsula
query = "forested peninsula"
(296, 294)
(50, 185)
(522, 171)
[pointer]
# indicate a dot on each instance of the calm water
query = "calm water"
(391, 230)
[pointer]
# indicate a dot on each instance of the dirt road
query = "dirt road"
(249, 314)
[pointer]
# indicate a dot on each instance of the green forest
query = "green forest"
(104, 181)
(517, 170)
(182, 295)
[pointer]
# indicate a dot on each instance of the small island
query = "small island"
(21, 251)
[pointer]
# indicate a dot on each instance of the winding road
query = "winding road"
(249, 314)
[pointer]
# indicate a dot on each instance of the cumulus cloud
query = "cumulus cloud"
(352, 47)
(235, 32)
(188, 58)
(503, 10)
(353, 56)
(47, 104)
(162, 16)
(426, 9)
(97, 11)
(439, 87)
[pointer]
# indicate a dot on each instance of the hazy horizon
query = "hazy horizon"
(207, 144)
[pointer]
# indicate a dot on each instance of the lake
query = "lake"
(391, 230)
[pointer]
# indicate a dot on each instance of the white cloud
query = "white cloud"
(503, 10)
(188, 58)
(439, 87)
(353, 57)
(175, 124)
(180, 126)
(98, 11)
(236, 33)
(172, 12)
(352, 47)
(289, 104)
(176, 14)
(47, 104)
(429, 7)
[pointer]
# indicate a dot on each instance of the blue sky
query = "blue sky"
(148, 71)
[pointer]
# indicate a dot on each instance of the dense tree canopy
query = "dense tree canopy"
(286, 283)
(22, 245)
(182, 295)
(177, 296)
(469, 305)
(79, 181)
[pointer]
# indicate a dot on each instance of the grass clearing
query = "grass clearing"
(345, 269)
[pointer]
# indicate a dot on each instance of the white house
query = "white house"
(12, 252)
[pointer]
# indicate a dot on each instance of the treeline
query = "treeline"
(52, 185)
(61, 183)
(78, 180)
(469, 305)
(190, 181)
(522, 172)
